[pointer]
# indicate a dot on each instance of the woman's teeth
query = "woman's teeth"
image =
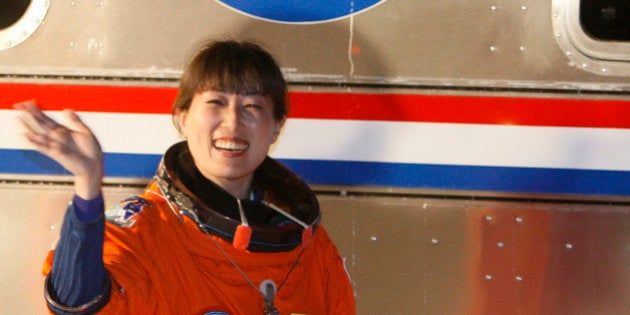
(230, 145)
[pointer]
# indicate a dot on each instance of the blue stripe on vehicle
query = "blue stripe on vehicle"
(376, 174)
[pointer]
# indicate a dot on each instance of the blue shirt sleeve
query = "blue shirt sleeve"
(78, 275)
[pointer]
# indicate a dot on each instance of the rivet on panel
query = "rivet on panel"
(519, 278)
(568, 246)
(435, 241)
(494, 8)
(519, 220)
(500, 244)
(555, 14)
(73, 3)
(488, 218)
(521, 48)
(53, 227)
(488, 277)
(604, 70)
(373, 238)
(494, 48)
(524, 7)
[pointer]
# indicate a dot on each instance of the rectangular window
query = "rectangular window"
(606, 19)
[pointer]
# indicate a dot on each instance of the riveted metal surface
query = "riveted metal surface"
(405, 255)
(407, 42)
(466, 256)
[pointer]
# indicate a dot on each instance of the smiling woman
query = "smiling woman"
(222, 219)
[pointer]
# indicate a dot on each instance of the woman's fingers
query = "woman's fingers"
(28, 120)
(74, 122)
(36, 116)
(71, 144)
(44, 133)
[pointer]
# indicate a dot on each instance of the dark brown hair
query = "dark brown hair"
(233, 67)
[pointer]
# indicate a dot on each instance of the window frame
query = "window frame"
(25, 26)
(604, 57)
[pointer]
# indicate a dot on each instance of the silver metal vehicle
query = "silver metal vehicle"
(470, 157)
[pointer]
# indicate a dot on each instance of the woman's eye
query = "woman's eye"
(253, 106)
(215, 102)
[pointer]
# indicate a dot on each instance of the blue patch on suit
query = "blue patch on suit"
(123, 213)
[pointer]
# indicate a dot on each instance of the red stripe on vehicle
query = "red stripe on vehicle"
(349, 106)
(91, 98)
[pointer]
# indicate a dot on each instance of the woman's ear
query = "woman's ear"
(278, 128)
(181, 120)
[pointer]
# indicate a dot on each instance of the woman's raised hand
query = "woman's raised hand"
(72, 145)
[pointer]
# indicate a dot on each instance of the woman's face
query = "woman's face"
(229, 136)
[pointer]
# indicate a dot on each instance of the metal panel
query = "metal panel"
(420, 255)
(407, 254)
(503, 43)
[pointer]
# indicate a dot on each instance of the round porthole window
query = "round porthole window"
(19, 19)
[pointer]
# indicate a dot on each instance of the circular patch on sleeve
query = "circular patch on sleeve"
(123, 213)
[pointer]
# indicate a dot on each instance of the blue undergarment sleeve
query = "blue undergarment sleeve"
(78, 274)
